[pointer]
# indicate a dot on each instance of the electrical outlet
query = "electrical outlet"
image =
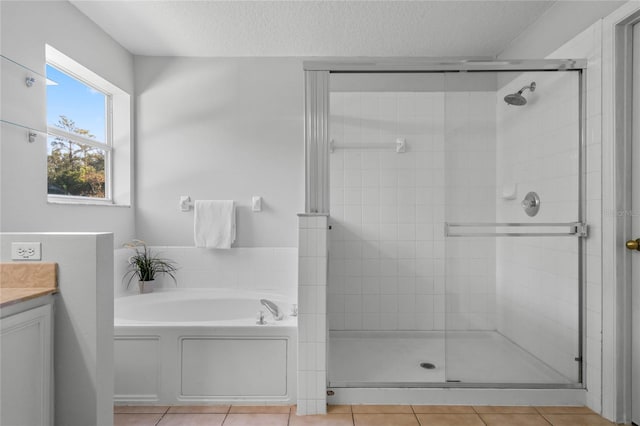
(26, 251)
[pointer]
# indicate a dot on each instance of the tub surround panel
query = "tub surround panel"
(312, 317)
(257, 268)
(137, 368)
(163, 365)
(190, 357)
(259, 367)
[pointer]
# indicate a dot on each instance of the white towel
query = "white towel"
(214, 223)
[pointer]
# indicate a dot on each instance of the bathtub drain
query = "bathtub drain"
(427, 365)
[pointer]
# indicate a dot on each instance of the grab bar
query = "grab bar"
(577, 229)
(400, 145)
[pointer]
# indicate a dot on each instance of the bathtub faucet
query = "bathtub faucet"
(273, 308)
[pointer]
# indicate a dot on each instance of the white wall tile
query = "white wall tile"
(400, 208)
(537, 278)
(312, 318)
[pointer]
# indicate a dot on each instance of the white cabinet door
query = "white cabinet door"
(26, 368)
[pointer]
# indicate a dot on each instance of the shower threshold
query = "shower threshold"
(476, 359)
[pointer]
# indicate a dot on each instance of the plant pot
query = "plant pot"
(146, 286)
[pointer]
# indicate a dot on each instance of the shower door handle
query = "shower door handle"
(633, 244)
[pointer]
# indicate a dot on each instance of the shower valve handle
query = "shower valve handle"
(528, 203)
(633, 244)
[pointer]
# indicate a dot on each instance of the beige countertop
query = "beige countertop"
(20, 281)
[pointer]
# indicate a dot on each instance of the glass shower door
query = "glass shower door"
(512, 226)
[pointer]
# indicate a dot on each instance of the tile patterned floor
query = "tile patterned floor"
(356, 415)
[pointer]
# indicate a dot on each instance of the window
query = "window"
(79, 137)
(89, 135)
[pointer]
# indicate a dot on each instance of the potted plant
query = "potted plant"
(145, 265)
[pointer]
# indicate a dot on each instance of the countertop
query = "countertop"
(20, 281)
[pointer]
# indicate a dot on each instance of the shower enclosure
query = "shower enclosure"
(455, 195)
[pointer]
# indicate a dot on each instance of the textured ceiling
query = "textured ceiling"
(314, 28)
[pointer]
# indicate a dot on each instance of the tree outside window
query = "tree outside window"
(78, 138)
(74, 168)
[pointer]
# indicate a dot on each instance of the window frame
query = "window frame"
(106, 146)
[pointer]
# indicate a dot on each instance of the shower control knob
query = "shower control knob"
(633, 244)
(531, 204)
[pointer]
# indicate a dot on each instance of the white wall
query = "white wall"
(588, 44)
(558, 25)
(537, 278)
(219, 129)
(387, 246)
(26, 28)
(83, 323)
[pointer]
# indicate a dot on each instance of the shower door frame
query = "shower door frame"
(317, 150)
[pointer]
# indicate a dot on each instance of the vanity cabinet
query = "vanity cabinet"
(26, 372)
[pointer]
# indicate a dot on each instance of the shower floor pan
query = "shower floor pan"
(393, 359)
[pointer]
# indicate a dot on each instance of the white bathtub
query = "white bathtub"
(197, 307)
(203, 346)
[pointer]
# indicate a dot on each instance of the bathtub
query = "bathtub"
(203, 346)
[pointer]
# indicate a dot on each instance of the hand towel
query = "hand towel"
(214, 223)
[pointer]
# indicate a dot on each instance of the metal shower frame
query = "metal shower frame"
(318, 144)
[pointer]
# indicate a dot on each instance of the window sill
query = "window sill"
(81, 202)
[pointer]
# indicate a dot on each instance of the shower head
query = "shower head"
(516, 98)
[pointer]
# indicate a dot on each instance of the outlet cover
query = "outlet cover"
(26, 251)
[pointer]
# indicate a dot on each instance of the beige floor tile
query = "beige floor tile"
(200, 409)
(259, 419)
(382, 409)
(192, 420)
(565, 410)
(139, 409)
(504, 409)
(338, 409)
(129, 419)
(577, 420)
(260, 409)
(449, 420)
(327, 420)
(514, 419)
(443, 409)
(385, 420)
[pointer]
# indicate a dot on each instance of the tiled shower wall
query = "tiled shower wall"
(537, 278)
(312, 314)
(470, 158)
(387, 248)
